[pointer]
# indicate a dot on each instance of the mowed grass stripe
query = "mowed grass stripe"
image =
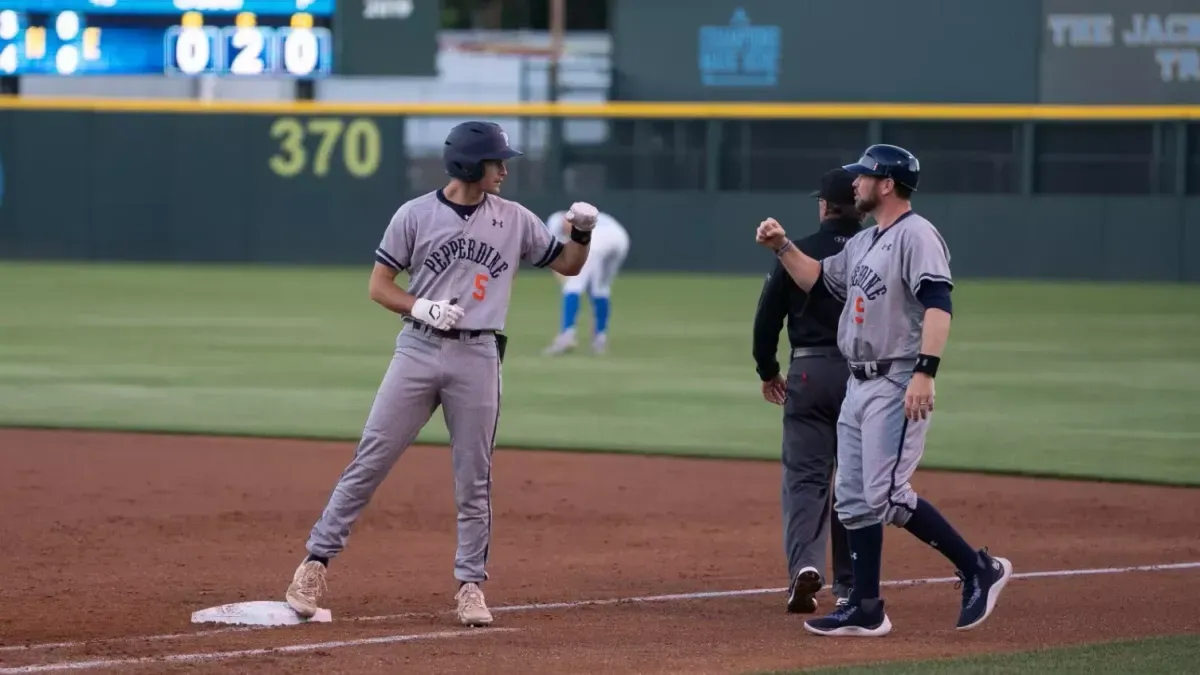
(1090, 380)
(1170, 655)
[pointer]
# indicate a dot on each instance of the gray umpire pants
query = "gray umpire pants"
(816, 388)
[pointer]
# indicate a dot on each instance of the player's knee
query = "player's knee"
(857, 513)
(377, 448)
(897, 515)
(846, 482)
(474, 499)
(876, 506)
(901, 505)
(575, 285)
(471, 510)
(856, 520)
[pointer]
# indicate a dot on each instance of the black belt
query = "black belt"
(818, 352)
(870, 370)
(449, 334)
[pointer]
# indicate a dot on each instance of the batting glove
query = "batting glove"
(440, 314)
(582, 216)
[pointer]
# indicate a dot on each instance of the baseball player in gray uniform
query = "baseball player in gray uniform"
(461, 246)
(894, 280)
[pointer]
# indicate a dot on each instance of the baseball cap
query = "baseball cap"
(837, 187)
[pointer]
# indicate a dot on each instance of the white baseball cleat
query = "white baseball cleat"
(308, 585)
(600, 343)
(472, 610)
(562, 344)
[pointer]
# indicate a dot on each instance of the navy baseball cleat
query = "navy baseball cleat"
(863, 620)
(802, 598)
(982, 590)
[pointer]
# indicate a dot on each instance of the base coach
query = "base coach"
(812, 398)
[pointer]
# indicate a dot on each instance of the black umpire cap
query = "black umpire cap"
(837, 187)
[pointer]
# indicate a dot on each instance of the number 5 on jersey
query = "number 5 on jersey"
(859, 310)
(481, 282)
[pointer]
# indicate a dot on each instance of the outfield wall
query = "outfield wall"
(1019, 191)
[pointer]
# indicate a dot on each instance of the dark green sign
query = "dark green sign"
(1117, 51)
(387, 37)
(179, 186)
(797, 50)
(309, 186)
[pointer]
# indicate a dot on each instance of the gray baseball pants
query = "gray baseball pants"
(462, 375)
(879, 450)
(816, 389)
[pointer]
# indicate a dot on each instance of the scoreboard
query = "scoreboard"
(247, 38)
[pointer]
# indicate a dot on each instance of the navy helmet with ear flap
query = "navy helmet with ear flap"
(470, 144)
(889, 161)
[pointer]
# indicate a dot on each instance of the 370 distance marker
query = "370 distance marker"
(359, 139)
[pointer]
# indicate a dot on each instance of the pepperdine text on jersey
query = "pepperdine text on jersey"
(471, 249)
(869, 281)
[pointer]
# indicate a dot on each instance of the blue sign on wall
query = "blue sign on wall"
(740, 54)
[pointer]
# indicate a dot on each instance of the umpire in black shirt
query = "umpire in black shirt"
(812, 398)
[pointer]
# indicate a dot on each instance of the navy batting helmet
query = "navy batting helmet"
(889, 161)
(470, 144)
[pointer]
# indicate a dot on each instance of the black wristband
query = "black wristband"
(581, 236)
(783, 249)
(927, 364)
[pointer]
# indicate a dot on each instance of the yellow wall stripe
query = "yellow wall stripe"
(640, 110)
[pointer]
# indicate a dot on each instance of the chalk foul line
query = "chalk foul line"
(705, 595)
(532, 607)
(198, 657)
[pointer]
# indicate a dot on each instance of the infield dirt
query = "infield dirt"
(123, 536)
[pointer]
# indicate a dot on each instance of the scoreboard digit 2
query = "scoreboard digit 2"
(237, 38)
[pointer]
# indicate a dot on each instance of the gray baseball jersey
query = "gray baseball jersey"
(472, 259)
(877, 274)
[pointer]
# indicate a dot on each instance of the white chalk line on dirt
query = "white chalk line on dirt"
(198, 657)
(576, 604)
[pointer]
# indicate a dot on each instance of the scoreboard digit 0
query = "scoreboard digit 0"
(191, 47)
(236, 38)
(303, 48)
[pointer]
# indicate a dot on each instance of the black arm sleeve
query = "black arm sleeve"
(935, 294)
(768, 321)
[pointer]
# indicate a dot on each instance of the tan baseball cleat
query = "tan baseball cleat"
(472, 611)
(308, 585)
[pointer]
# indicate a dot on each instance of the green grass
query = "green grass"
(1160, 656)
(1066, 379)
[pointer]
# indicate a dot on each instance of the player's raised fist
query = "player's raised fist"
(582, 216)
(770, 234)
(440, 314)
